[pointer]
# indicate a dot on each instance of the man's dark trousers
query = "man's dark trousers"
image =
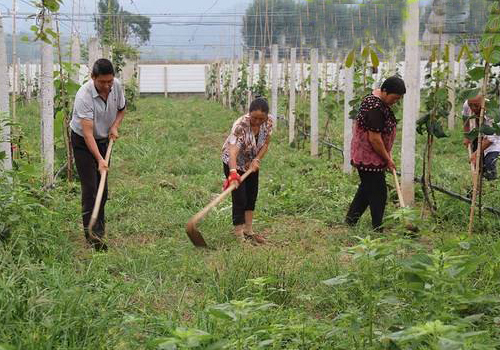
(90, 177)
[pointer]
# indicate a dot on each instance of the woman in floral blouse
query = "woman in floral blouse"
(371, 146)
(244, 148)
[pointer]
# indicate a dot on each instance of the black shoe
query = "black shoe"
(98, 245)
(96, 242)
(350, 222)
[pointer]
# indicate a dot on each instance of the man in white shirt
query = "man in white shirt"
(490, 143)
(491, 147)
(98, 111)
(470, 113)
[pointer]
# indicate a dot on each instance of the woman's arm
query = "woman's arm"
(264, 149)
(233, 154)
(377, 143)
(255, 166)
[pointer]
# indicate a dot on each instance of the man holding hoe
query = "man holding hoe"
(98, 111)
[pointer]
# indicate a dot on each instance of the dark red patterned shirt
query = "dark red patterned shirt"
(374, 115)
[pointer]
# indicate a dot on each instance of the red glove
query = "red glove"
(233, 176)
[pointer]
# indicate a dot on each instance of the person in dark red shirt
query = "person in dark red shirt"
(371, 146)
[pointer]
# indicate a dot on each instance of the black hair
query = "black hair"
(102, 66)
(394, 85)
(259, 104)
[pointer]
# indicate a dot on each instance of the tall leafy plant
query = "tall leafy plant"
(490, 54)
(363, 80)
(437, 108)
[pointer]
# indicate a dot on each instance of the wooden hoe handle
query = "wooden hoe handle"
(398, 189)
(191, 229)
(100, 190)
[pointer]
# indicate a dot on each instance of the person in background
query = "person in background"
(371, 146)
(490, 143)
(470, 113)
(491, 150)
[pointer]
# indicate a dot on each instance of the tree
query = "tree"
(322, 23)
(115, 25)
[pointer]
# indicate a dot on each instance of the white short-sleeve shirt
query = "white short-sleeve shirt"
(89, 105)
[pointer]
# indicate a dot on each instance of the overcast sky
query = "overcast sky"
(135, 6)
(166, 40)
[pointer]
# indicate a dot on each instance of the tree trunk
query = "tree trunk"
(479, 150)
(75, 58)
(65, 108)
(274, 83)
(411, 102)
(293, 75)
(314, 102)
(47, 111)
(4, 105)
(349, 94)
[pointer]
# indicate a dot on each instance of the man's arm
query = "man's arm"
(377, 143)
(484, 144)
(113, 130)
(88, 135)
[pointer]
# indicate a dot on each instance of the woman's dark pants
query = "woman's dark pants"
(372, 192)
(245, 196)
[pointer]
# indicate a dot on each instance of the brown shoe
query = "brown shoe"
(256, 238)
(240, 237)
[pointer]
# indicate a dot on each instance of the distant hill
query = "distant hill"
(30, 51)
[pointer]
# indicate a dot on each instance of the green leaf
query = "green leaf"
(495, 55)
(52, 5)
(165, 343)
(477, 73)
(422, 123)
(487, 50)
(461, 52)
(219, 311)
(487, 130)
(6, 347)
(446, 56)
(336, 281)
(470, 93)
(51, 32)
(433, 55)
(375, 60)
(353, 114)
(437, 129)
(350, 59)
(59, 125)
(46, 40)
(472, 135)
(365, 52)
(491, 105)
(449, 344)
(464, 245)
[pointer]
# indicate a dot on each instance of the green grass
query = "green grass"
(152, 284)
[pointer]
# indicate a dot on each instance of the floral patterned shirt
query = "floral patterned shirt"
(248, 144)
(374, 115)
